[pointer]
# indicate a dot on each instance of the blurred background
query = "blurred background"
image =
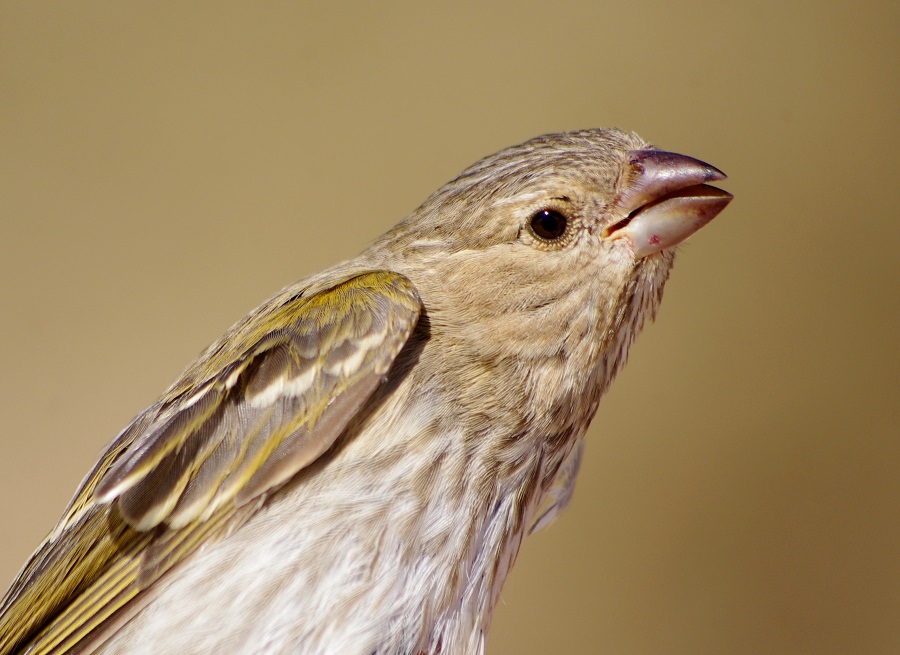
(166, 166)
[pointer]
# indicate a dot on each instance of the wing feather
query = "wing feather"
(255, 409)
(331, 354)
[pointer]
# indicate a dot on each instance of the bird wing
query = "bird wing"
(247, 416)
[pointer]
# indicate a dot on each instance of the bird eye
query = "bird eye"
(548, 225)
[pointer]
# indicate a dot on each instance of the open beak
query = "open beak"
(665, 200)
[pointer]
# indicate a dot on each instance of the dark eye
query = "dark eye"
(548, 224)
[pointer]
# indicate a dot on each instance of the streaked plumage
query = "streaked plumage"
(353, 467)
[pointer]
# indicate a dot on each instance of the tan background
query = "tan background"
(164, 167)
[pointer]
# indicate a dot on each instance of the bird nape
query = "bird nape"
(352, 468)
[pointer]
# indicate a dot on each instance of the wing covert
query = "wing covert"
(250, 413)
(273, 408)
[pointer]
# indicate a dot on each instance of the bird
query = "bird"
(352, 467)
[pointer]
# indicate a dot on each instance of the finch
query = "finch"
(353, 467)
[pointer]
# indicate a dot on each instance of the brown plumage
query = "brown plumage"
(352, 468)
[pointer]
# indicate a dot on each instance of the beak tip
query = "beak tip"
(714, 174)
